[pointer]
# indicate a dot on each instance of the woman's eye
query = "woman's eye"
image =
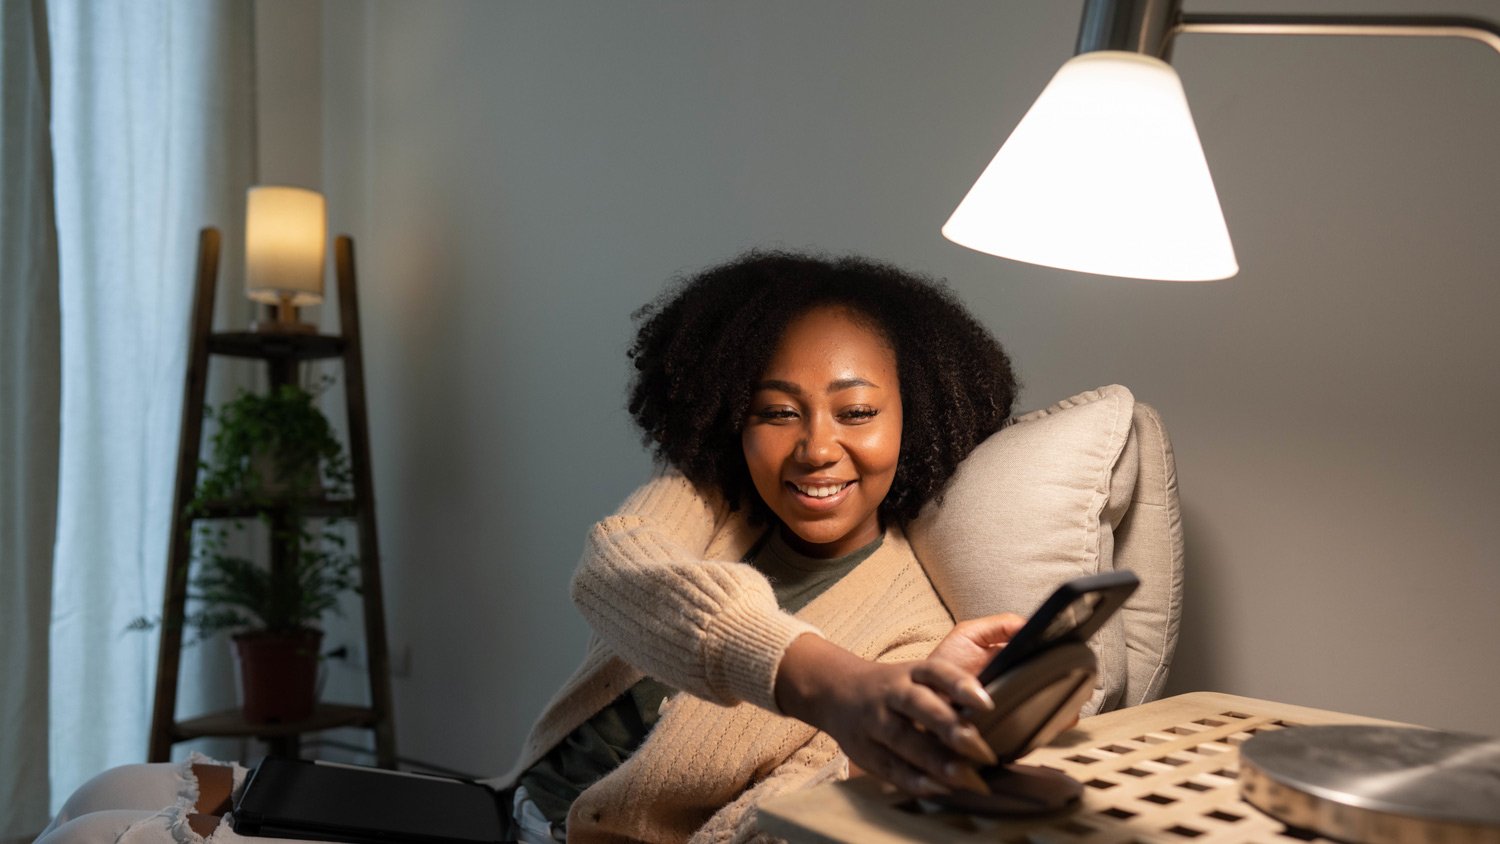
(859, 414)
(772, 414)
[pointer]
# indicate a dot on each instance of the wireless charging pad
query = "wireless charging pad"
(1034, 702)
(1370, 783)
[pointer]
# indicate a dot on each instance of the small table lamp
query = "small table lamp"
(285, 232)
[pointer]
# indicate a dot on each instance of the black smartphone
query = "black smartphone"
(1071, 614)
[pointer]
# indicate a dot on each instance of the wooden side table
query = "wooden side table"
(1162, 772)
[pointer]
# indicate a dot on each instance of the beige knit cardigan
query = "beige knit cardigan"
(661, 584)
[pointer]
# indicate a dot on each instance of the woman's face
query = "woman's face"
(824, 433)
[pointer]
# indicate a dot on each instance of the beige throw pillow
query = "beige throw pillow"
(1034, 505)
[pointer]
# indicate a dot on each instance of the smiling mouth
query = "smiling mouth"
(818, 492)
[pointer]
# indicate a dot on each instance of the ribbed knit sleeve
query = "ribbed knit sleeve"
(647, 588)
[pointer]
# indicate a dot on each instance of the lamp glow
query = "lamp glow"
(1103, 175)
(285, 230)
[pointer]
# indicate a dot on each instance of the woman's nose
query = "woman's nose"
(818, 446)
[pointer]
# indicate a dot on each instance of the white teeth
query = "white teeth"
(821, 491)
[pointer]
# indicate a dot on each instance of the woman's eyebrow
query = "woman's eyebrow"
(846, 383)
(779, 386)
(794, 390)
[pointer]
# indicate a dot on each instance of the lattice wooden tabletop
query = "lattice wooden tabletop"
(1162, 772)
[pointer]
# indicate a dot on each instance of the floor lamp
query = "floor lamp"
(1105, 174)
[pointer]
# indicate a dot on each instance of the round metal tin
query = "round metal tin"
(1372, 783)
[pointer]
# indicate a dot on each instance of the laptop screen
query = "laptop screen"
(294, 798)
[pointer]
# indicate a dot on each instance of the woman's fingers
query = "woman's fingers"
(992, 630)
(892, 768)
(921, 751)
(954, 683)
(934, 716)
(972, 643)
(902, 722)
(926, 732)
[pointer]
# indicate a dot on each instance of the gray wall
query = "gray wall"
(521, 176)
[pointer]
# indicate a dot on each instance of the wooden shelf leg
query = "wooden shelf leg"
(364, 493)
(180, 545)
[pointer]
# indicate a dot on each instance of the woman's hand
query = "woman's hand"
(897, 721)
(900, 721)
(973, 643)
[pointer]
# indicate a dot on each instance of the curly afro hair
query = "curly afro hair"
(703, 344)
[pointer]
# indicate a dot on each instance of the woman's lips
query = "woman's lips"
(819, 504)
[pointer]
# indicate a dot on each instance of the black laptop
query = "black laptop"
(295, 798)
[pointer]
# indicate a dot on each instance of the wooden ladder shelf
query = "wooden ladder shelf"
(282, 354)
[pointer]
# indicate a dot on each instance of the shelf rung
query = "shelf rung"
(328, 508)
(248, 344)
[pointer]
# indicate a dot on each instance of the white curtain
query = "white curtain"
(29, 373)
(153, 137)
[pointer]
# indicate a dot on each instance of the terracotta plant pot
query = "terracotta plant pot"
(278, 674)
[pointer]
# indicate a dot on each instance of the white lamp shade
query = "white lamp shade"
(285, 230)
(1103, 175)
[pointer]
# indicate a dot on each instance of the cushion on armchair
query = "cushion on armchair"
(1085, 486)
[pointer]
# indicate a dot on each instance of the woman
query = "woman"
(760, 621)
(806, 409)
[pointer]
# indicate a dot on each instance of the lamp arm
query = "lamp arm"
(1428, 26)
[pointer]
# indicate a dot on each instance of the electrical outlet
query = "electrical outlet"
(401, 660)
(352, 655)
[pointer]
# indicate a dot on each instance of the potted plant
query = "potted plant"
(272, 611)
(272, 449)
(272, 455)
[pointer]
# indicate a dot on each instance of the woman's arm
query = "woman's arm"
(713, 629)
(708, 627)
(900, 720)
